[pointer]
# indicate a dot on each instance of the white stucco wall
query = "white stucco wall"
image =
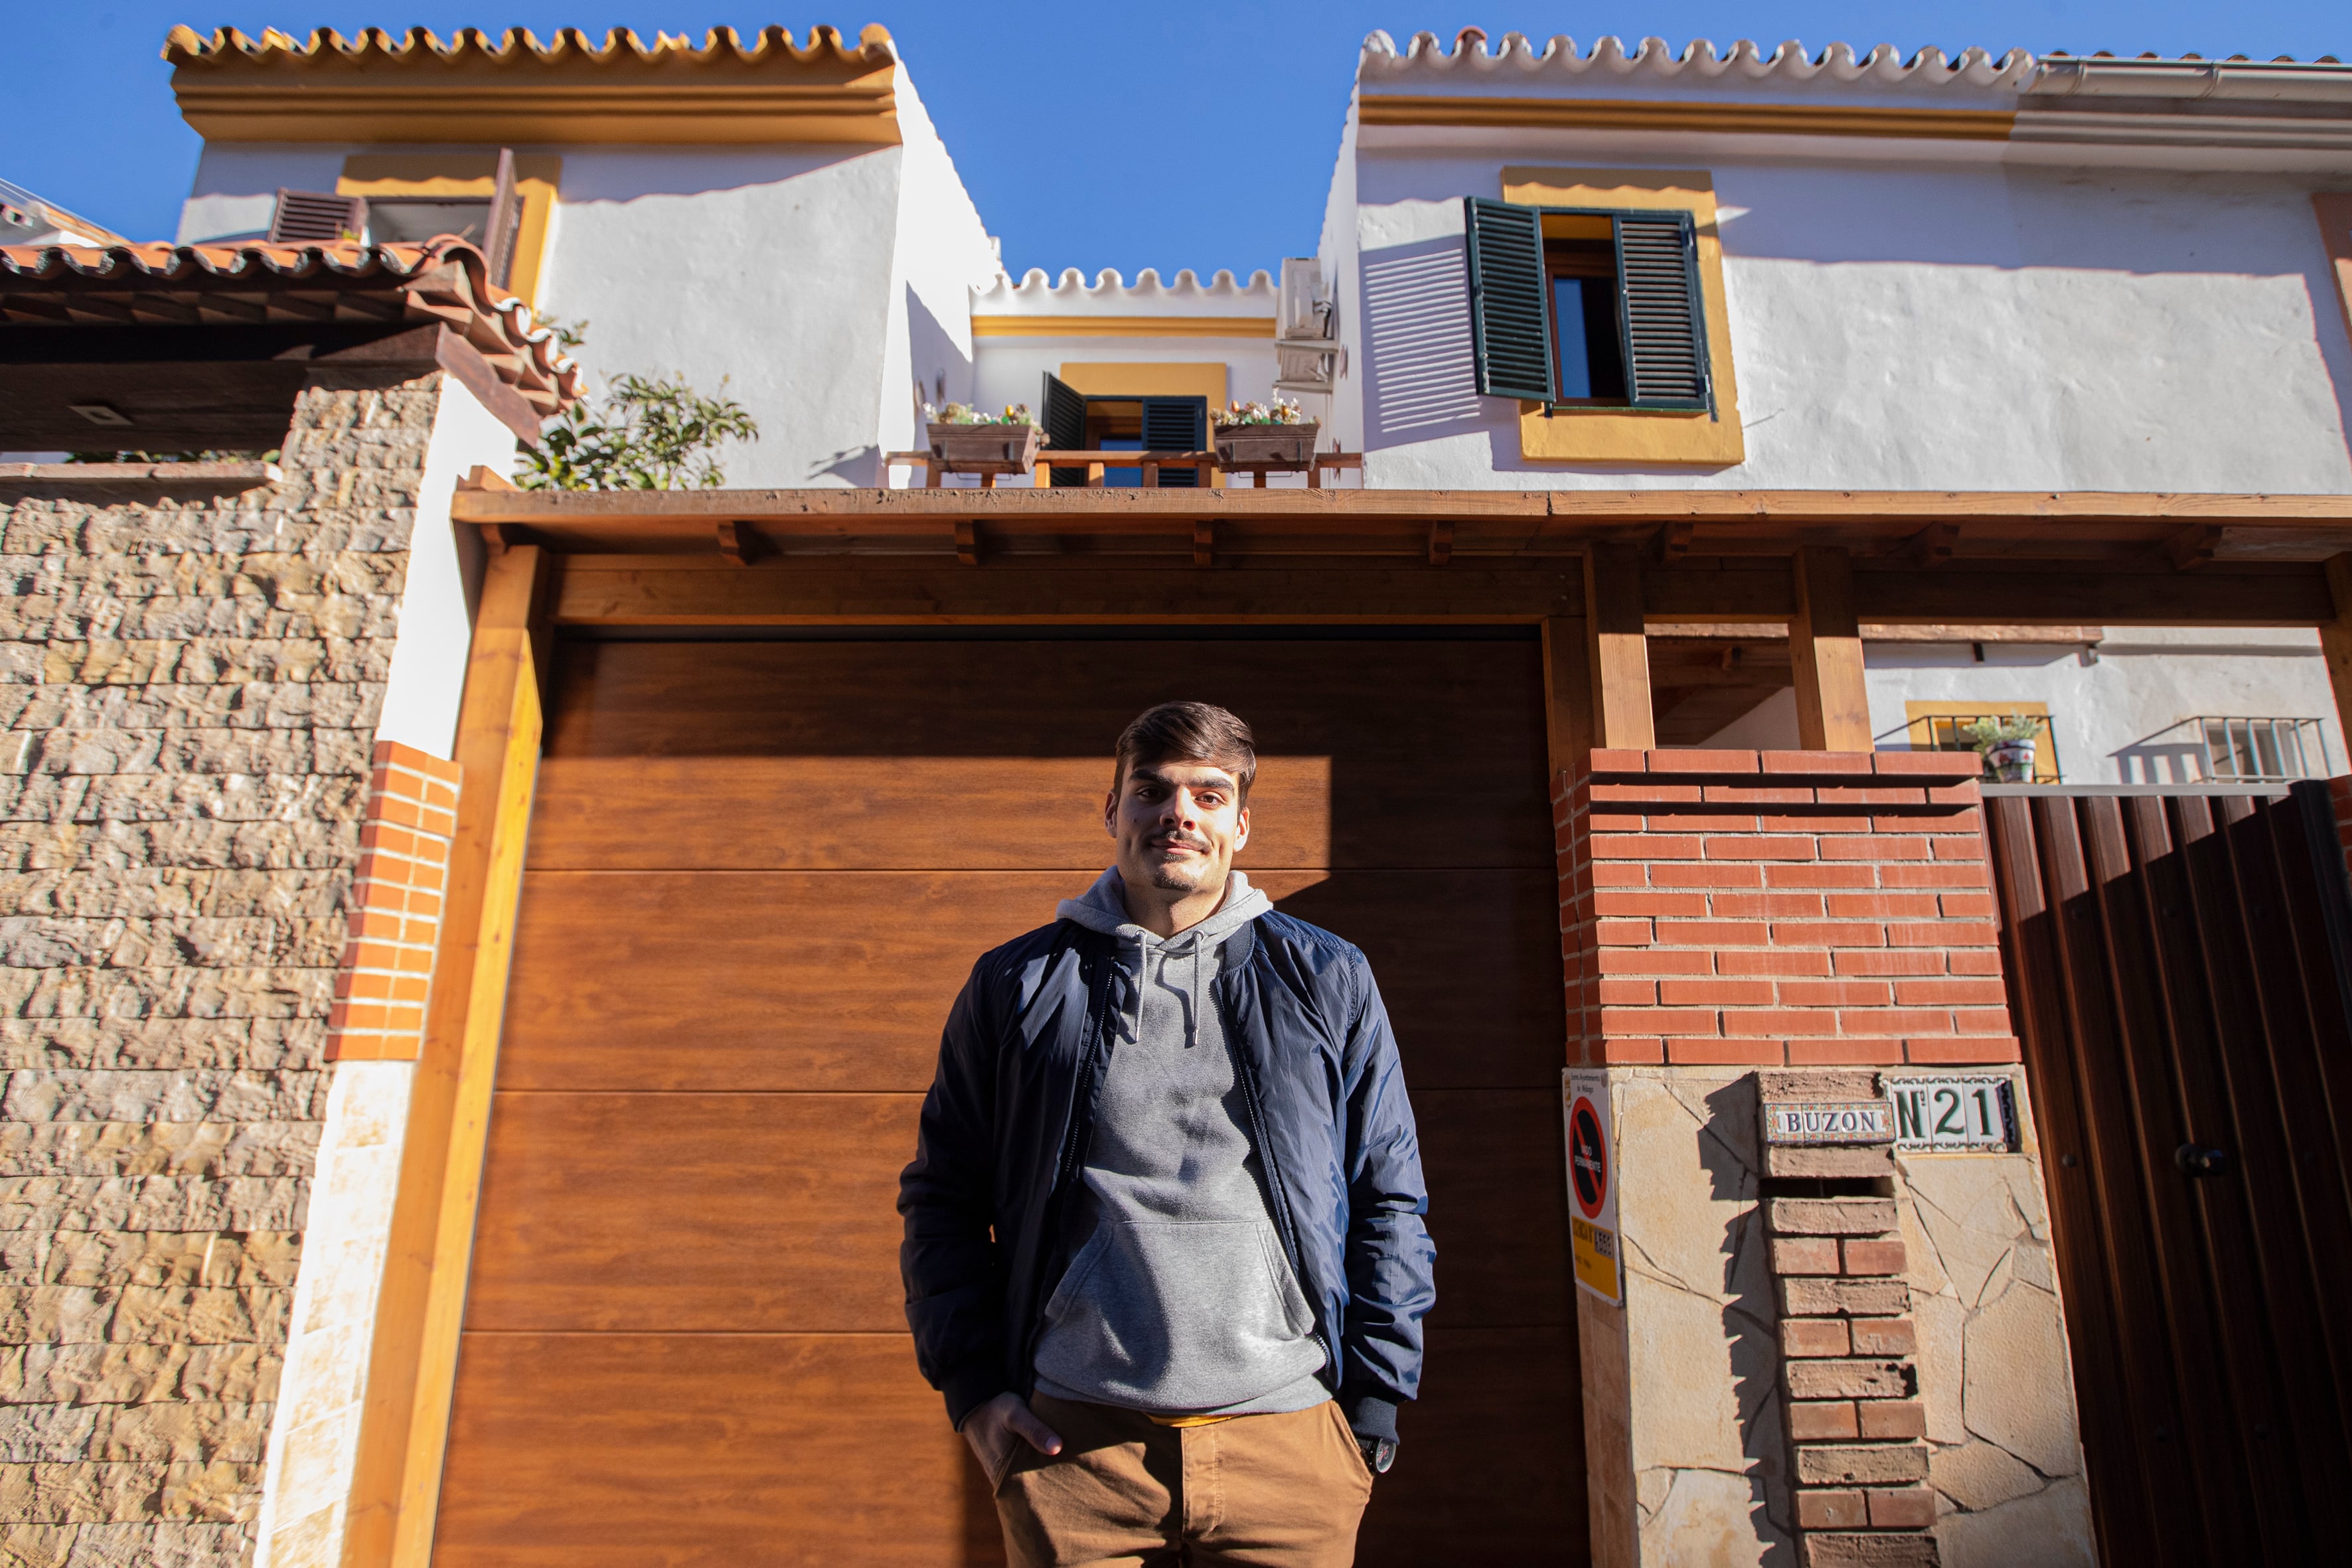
(426, 682)
(2118, 717)
(1949, 325)
(942, 254)
(237, 185)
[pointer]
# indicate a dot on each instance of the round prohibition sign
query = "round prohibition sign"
(1587, 1158)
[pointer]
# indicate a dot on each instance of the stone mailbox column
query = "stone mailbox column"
(1741, 927)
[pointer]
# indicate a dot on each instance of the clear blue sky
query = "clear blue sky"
(1198, 136)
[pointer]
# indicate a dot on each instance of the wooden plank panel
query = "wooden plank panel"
(2241, 912)
(2163, 1118)
(702, 1213)
(1456, 777)
(1825, 654)
(693, 1213)
(901, 813)
(682, 1450)
(842, 980)
(2244, 1466)
(2119, 1178)
(1492, 1465)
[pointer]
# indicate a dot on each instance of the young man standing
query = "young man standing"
(1164, 1252)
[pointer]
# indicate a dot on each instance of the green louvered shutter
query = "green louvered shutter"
(1664, 322)
(1065, 424)
(1176, 424)
(1510, 321)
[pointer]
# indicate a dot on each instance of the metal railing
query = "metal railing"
(2261, 750)
(1949, 733)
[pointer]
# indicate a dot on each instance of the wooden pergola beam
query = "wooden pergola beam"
(2336, 638)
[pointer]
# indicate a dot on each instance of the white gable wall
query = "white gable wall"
(1928, 326)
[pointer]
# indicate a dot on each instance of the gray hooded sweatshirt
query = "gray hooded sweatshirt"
(1180, 1301)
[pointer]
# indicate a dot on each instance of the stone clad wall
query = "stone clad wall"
(190, 689)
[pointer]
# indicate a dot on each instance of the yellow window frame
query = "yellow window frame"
(1572, 435)
(454, 174)
(1927, 719)
(1166, 378)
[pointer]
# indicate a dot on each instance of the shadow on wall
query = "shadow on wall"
(1421, 380)
(942, 370)
(1728, 1152)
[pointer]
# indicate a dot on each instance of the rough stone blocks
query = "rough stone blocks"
(1875, 1551)
(188, 698)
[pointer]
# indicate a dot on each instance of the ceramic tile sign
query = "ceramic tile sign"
(1592, 1183)
(1816, 1123)
(1973, 1113)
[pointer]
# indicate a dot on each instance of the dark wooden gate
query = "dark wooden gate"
(2177, 966)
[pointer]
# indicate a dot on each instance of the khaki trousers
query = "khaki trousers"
(1257, 1492)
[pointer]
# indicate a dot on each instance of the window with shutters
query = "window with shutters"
(501, 201)
(1596, 300)
(1607, 303)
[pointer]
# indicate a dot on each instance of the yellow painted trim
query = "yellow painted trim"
(537, 177)
(1738, 119)
(862, 112)
(1190, 378)
(2045, 760)
(1122, 326)
(1610, 436)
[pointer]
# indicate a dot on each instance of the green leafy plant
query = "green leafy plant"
(964, 414)
(1281, 411)
(648, 432)
(1994, 730)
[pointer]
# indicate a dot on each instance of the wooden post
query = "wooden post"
(412, 1367)
(2335, 641)
(1617, 649)
(1826, 647)
(1567, 696)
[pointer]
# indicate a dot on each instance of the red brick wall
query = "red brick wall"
(1779, 907)
(395, 908)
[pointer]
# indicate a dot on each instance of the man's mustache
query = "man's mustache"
(1189, 840)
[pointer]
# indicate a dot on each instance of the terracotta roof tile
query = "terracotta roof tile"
(445, 280)
(518, 46)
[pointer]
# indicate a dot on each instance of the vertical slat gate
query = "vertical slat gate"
(2179, 983)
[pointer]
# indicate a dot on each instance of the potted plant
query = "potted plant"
(1265, 433)
(964, 435)
(2007, 745)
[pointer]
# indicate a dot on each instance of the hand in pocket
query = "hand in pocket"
(995, 1429)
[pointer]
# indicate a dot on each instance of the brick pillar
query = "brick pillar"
(1739, 925)
(1855, 1426)
(1779, 908)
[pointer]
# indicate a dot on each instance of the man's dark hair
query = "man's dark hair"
(1187, 733)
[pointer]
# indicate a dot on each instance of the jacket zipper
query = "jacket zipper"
(1074, 1142)
(1247, 1074)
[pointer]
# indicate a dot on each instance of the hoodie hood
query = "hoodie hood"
(1103, 907)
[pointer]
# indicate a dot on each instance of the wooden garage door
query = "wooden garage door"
(759, 872)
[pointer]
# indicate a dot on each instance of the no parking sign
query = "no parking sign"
(1592, 1183)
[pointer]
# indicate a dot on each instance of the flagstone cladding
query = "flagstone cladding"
(190, 689)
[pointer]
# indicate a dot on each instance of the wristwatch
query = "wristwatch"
(1380, 1453)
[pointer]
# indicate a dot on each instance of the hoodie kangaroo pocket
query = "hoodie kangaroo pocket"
(1178, 1316)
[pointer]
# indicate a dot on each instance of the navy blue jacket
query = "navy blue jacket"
(1005, 1133)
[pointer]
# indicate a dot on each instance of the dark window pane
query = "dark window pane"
(1568, 316)
(1606, 362)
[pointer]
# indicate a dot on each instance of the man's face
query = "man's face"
(1178, 825)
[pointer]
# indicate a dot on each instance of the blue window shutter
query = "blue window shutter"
(1176, 424)
(1510, 319)
(1665, 319)
(1065, 424)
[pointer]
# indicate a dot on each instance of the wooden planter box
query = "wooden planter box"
(1292, 444)
(959, 445)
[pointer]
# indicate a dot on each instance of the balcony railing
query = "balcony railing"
(2262, 751)
(1150, 468)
